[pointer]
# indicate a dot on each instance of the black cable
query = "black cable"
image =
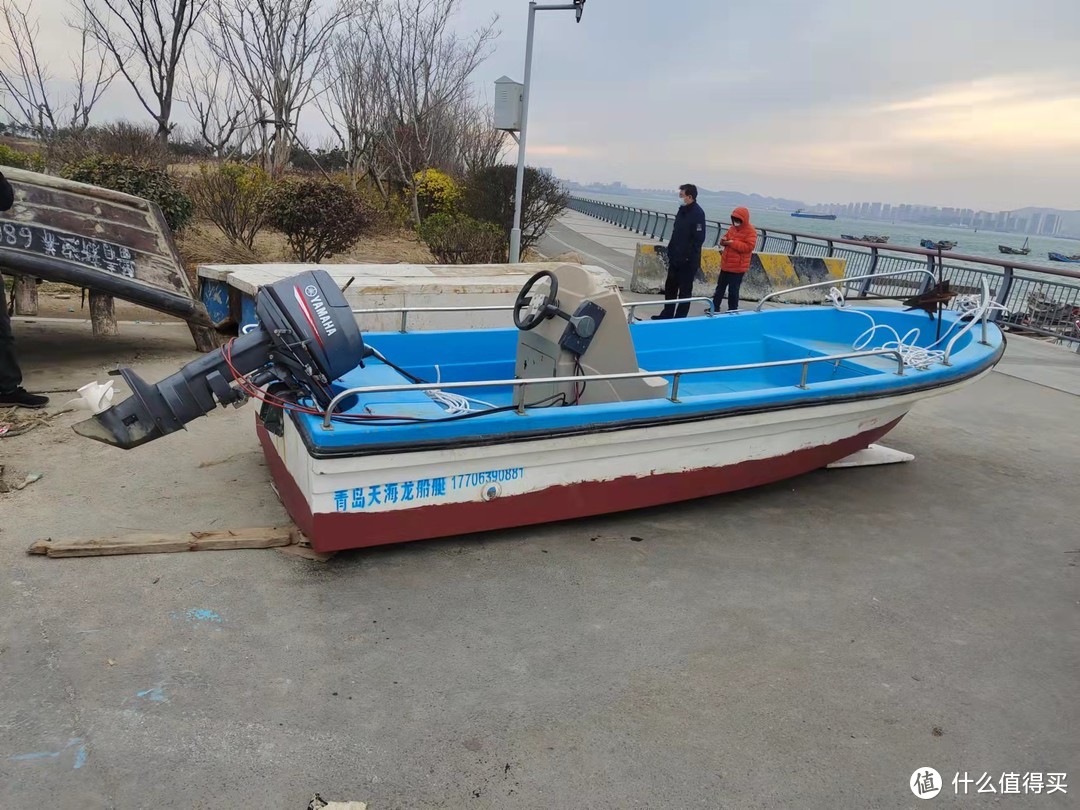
(414, 420)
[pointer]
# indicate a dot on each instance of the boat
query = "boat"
(1020, 251)
(805, 215)
(573, 411)
(1061, 257)
(101, 240)
(876, 240)
(944, 244)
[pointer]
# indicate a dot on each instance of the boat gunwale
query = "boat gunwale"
(387, 448)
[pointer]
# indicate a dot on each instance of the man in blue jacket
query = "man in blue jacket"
(684, 253)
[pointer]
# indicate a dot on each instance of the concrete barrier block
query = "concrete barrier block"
(768, 273)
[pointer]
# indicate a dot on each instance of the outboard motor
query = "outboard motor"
(307, 337)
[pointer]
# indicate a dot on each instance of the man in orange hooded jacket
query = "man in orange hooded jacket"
(739, 243)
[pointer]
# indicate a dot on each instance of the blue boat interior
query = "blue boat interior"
(738, 339)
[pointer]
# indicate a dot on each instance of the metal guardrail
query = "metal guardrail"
(675, 374)
(1038, 299)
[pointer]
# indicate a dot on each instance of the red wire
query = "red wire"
(274, 401)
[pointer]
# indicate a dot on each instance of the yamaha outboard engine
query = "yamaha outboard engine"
(306, 338)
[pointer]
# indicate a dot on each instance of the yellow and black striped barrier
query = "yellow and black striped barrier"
(768, 273)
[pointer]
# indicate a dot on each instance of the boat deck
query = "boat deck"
(748, 339)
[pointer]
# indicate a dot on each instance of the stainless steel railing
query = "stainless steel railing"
(1038, 299)
(676, 375)
(630, 306)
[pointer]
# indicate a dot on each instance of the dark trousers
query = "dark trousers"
(680, 284)
(728, 283)
(10, 375)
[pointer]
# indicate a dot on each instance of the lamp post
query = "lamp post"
(577, 6)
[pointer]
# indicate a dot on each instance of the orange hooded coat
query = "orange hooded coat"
(736, 256)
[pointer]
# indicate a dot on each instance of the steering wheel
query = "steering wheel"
(536, 310)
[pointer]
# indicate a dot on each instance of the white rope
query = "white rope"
(455, 403)
(911, 353)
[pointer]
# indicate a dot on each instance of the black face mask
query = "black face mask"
(736, 222)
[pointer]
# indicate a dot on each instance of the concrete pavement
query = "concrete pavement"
(808, 644)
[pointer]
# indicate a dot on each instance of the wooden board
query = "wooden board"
(271, 537)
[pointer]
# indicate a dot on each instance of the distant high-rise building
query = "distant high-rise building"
(875, 210)
(1001, 221)
(886, 211)
(1035, 225)
(864, 210)
(1020, 224)
(1051, 225)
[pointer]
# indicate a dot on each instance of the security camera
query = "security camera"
(579, 7)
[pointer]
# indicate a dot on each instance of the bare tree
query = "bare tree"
(352, 104)
(424, 78)
(216, 100)
(147, 38)
(35, 103)
(276, 48)
(481, 145)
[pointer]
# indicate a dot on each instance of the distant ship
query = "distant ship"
(1011, 251)
(944, 244)
(1061, 257)
(876, 240)
(804, 215)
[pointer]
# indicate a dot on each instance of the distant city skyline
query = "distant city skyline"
(1031, 220)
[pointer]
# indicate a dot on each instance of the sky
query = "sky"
(968, 103)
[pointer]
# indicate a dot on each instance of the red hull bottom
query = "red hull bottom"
(334, 531)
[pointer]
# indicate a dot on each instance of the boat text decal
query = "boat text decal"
(83, 250)
(422, 489)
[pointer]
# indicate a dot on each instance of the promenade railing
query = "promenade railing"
(1039, 299)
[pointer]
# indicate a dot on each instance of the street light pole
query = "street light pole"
(515, 234)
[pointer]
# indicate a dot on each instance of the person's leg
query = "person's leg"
(10, 374)
(686, 288)
(721, 290)
(671, 292)
(11, 390)
(734, 285)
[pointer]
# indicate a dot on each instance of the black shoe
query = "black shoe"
(659, 318)
(21, 398)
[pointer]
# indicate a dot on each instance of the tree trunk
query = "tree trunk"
(102, 317)
(26, 295)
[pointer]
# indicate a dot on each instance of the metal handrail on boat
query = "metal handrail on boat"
(675, 374)
(628, 305)
(838, 281)
(710, 310)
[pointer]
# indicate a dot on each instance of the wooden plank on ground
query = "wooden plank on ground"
(271, 537)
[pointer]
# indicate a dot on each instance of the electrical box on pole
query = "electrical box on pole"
(509, 103)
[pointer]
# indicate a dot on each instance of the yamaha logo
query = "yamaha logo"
(311, 290)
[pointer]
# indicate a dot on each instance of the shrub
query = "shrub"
(31, 161)
(235, 197)
(489, 196)
(436, 193)
(463, 240)
(136, 142)
(318, 218)
(122, 174)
